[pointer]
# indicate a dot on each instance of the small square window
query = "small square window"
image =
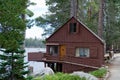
(72, 27)
(82, 52)
(53, 50)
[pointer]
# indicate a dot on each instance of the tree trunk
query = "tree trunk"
(101, 19)
(23, 45)
(74, 8)
(12, 66)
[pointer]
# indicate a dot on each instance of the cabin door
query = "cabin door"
(62, 51)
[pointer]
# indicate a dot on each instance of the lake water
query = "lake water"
(37, 66)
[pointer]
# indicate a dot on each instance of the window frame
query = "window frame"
(73, 27)
(82, 52)
(54, 49)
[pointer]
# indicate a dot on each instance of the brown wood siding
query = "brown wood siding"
(63, 35)
(85, 61)
(82, 38)
(96, 54)
(68, 68)
(50, 57)
(35, 56)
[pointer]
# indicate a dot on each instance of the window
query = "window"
(54, 50)
(82, 52)
(72, 27)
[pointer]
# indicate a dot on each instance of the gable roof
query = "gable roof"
(92, 32)
(83, 26)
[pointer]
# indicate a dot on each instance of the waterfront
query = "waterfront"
(37, 66)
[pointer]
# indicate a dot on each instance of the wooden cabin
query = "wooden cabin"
(73, 47)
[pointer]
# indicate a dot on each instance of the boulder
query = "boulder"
(46, 71)
(83, 74)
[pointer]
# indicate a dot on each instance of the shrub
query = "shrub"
(61, 76)
(99, 73)
(70, 77)
(37, 78)
(29, 78)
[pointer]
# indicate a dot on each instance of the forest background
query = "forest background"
(101, 16)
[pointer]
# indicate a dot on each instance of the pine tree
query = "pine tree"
(12, 65)
(59, 11)
(112, 21)
(12, 27)
(107, 18)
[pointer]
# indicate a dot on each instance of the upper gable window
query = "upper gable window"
(73, 27)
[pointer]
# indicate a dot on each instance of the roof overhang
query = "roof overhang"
(52, 44)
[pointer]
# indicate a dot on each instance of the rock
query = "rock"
(83, 74)
(46, 71)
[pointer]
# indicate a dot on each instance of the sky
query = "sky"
(38, 9)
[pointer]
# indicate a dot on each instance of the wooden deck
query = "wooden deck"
(35, 56)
